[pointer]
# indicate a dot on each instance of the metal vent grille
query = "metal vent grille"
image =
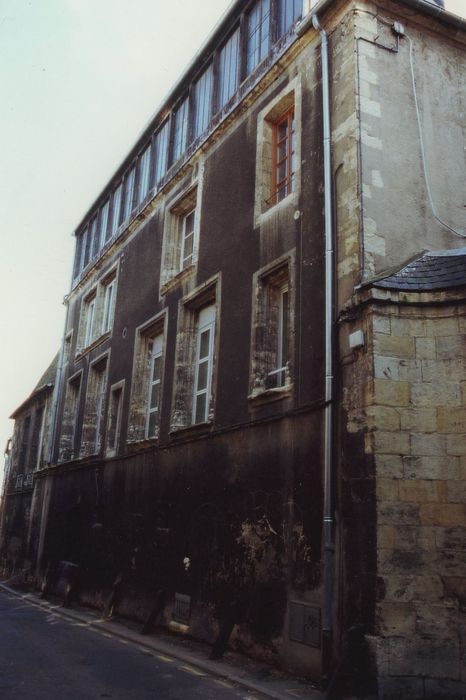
(305, 625)
(182, 609)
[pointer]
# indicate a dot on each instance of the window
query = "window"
(24, 443)
(129, 191)
(258, 33)
(155, 350)
(181, 236)
(180, 130)
(104, 223)
(116, 213)
(109, 305)
(271, 351)
(228, 69)
(69, 419)
(94, 410)
(89, 315)
(187, 239)
(195, 366)
(82, 263)
(94, 238)
(203, 366)
(283, 157)
(147, 383)
(144, 172)
(114, 418)
(35, 457)
(290, 11)
(202, 102)
(161, 142)
(278, 162)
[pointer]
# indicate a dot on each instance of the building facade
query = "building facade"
(248, 404)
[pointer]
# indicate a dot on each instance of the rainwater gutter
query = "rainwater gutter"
(328, 469)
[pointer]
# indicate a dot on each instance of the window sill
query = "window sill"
(81, 352)
(289, 200)
(141, 444)
(191, 431)
(177, 279)
(263, 396)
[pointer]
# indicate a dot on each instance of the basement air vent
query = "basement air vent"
(182, 609)
(304, 624)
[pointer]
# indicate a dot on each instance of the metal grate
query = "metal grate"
(305, 625)
(182, 609)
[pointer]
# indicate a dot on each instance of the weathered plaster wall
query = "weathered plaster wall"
(397, 218)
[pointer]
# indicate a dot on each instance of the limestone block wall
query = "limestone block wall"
(416, 433)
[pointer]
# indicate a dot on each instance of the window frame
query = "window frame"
(202, 96)
(109, 301)
(204, 326)
(141, 373)
(223, 97)
(258, 48)
(156, 344)
(70, 417)
(113, 448)
(94, 414)
(89, 315)
(288, 183)
(272, 365)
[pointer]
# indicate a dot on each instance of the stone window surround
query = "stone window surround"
(185, 202)
(183, 389)
(281, 271)
(141, 374)
(97, 292)
(70, 415)
(112, 451)
(93, 429)
(290, 97)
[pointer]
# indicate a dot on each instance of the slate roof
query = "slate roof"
(46, 381)
(433, 271)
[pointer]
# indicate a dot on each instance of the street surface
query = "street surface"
(44, 656)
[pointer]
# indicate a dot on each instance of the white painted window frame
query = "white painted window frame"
(156, 353)
(206, 322)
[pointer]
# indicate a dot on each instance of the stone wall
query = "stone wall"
(415, 425)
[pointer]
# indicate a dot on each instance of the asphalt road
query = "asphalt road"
(44, 656)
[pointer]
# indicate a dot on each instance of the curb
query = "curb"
(218, 669)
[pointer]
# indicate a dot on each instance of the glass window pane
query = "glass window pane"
(180, 134)
(202, 375)
(155, 396)
(161, 145)
(116, 208)
(202, 102)
(104, 223)
(228, 69)
(200, 415)
(290, 12)
(156, 369)
(129, 189)
(204, 344)
(258, 34)
(152, 425)
(144, 164)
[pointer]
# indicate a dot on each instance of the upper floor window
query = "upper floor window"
(116, 208)
(181, 236)
(204, 362)
(228, 69)
(202, 102)
(94, 410)
(272, 322)
(180, 130)
(114, 418)
(129, 193)
(109, 305)
(89, 316)
(258, 33)
(93, 238)
(155, 350)
(68, 437)
(161, 141)
(146, 387)
(144, 172)
(103, 224)
(195, 369)
(283, 157)
(290, 11)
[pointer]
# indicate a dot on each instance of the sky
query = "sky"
(79, 80)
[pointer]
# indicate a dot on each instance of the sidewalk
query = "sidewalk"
(252, 675)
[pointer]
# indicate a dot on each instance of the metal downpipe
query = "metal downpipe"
(328, 535)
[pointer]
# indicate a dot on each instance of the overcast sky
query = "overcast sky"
(79, 79)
